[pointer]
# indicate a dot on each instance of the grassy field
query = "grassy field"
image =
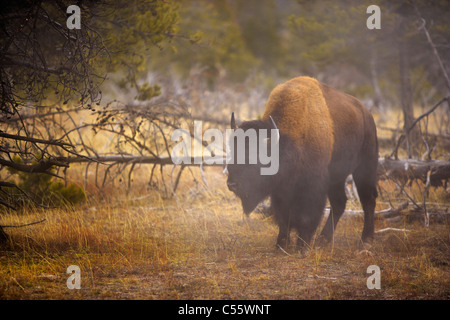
(199, 246)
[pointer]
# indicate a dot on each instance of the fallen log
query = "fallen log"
(386, 230)
(436, 215)
(412, 169)
(403, 170)
(194, 161)
(391, 212)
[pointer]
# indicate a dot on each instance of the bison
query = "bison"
(323, 136)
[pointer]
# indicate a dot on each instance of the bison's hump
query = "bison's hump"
(299, 109)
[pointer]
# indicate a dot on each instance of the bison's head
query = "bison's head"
(253, 160)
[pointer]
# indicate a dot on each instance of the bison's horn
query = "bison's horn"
(233, 122)
(277, 137)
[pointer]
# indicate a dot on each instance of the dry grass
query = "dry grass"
(199, 246)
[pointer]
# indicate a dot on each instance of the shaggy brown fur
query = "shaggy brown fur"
(325, 135)
(299, 109)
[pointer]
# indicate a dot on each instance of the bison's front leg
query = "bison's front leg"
(304, 236)
(338, 199)
(283, 238)
(281, 213)
(308, 218)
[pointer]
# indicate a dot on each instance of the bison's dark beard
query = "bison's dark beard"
(249, 203)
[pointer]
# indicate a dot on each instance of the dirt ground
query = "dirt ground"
(201, 247)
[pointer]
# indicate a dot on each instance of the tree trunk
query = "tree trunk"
(378, 100)
(406, 94)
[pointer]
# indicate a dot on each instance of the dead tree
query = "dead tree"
(40, 59)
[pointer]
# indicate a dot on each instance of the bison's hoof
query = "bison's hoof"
(303, 251)
(365, 244)
(322, 241)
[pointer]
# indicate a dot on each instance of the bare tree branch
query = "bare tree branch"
(42, 141)
(23, 225)
(41, 167)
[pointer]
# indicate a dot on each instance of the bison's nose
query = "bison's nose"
(232, 186)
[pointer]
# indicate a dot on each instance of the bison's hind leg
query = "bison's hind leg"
(338, 200)
(366, 184)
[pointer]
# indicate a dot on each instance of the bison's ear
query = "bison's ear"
(233, 122)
